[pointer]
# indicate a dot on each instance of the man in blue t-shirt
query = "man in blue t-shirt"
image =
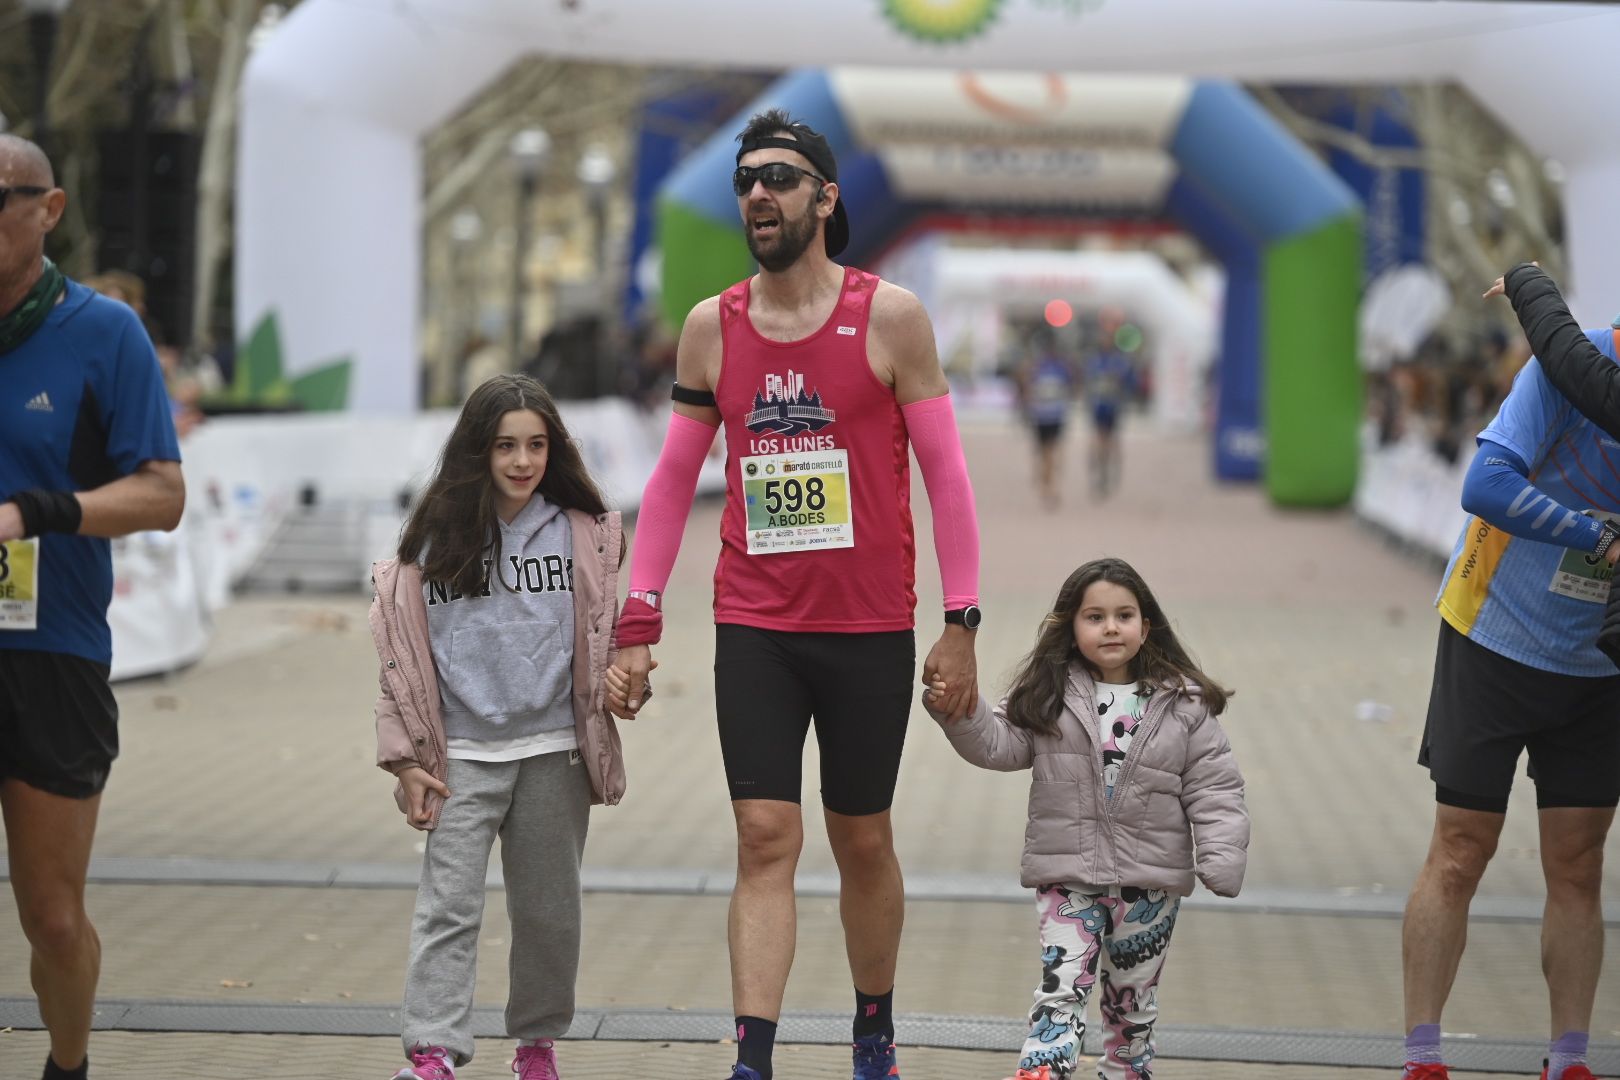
(87, 452)
(1517, 671)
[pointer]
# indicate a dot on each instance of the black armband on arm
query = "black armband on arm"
(688, 396)
(48, 511)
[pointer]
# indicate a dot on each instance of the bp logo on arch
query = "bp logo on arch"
(944, 22)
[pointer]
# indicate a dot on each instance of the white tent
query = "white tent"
(336, 101)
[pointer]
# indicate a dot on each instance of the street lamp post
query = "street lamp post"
(465, 229)
(43, 18)
(596, 174)
(529, 149)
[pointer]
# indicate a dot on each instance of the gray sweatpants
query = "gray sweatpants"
(540, 807)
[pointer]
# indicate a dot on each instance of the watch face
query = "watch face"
(971, 617)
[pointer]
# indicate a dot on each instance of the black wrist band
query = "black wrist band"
(1606, 541)
(48, 511)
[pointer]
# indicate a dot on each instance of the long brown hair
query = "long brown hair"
(453, 526)
(1036, 699)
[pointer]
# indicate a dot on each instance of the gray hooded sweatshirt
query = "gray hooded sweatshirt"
(504, 657)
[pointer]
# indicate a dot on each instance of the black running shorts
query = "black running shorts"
(58, 722)
(768, 687)
(1484, 710)
(1048, 431)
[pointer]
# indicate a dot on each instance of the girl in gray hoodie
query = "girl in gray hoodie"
(494, 628)
(1135, 794)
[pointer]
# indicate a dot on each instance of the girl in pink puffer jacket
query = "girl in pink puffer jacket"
(1135, 794)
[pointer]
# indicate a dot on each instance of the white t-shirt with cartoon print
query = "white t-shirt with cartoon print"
(1119, 710)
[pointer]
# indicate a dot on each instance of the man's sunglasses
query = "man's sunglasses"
(7, 192)
(776, 176)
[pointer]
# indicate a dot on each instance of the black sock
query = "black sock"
(756, 1039)
(53, 1071)
(874, 1014)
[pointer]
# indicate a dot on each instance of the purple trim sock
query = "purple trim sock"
(1423, 1045)
(1570, 1049)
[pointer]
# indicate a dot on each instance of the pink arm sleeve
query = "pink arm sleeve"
(931, 425)
(665, 505)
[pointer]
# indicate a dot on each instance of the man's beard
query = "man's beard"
(792, 240)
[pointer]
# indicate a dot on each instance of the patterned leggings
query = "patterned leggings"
(1127, 930)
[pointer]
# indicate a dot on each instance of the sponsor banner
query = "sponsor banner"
(245, 474)
(1060, 175)
(885, 106)
(1412, 494)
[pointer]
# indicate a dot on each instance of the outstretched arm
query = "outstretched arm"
(903, 352)
(1571, 362)
(665, 505)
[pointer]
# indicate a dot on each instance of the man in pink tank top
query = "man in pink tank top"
(825, 379)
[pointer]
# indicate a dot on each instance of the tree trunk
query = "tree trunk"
(215, 169)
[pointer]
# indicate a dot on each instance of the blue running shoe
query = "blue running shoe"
(742, 1072)
(874, 1058)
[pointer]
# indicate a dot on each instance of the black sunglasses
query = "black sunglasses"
(6, 192)
(776, 176)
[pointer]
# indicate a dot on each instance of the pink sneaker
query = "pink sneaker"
(428, 1063)
(537, 1062)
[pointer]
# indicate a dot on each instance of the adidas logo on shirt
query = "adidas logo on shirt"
(40, 402)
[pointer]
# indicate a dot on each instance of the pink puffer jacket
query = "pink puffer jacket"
(1178, 787)
(410, 730)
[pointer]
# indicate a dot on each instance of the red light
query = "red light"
(1058, 313)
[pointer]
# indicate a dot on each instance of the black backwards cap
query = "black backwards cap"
(813, 146)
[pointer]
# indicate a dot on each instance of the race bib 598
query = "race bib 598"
(797, 502)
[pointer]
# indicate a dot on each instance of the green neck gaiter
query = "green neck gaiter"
(19, 324)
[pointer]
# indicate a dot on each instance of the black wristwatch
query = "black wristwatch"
(969, 616)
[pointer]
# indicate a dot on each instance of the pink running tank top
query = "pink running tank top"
(817, 532)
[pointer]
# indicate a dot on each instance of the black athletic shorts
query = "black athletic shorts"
(58, 722)
(1484, 710)
(770, 684)
(1048, 431)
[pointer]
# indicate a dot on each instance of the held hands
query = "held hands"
(417, 782)
(951, 674)
(627, 680)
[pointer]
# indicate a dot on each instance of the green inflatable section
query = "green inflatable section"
(713, 257)
(1312, 380)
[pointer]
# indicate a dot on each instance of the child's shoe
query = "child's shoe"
(1416, 1070)
(537, 1062)
(874, 1058)
(1573, 1072)
(1043, 1073)
(428, 1063)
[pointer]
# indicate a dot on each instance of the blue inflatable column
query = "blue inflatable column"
(1239, 437)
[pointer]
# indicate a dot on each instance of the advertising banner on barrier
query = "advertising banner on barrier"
(246, 475)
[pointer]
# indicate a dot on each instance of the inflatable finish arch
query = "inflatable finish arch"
(1204, 153)
(335, 102)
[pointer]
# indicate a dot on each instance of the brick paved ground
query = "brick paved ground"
(263, 752)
